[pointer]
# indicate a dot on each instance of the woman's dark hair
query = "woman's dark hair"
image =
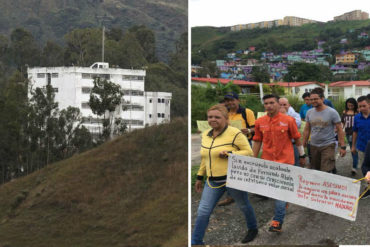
(353, 102)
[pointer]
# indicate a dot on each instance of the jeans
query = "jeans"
(296, 155)
(280, 207)
(354, 156)
(209, 199)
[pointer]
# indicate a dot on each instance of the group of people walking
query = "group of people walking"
(277, 135)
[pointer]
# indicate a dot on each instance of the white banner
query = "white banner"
(313, 189)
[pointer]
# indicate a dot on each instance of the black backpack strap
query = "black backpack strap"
(244, 115)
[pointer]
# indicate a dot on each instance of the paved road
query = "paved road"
(301, 226)
(195, 148)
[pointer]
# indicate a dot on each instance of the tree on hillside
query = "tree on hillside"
(179, 59)
(44, 112)
(160, 77)
(83, 46)
(105, 100)
(23, 49)
(260, 74)
(13, 125)
(52, 55)
(71, 136)
(308, 72)
(209, 69)
(146, 39)
(364, 74)
(130, 52)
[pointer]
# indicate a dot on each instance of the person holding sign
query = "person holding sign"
(276, 131)
(217, 143)
(246, 118)
(237, 112)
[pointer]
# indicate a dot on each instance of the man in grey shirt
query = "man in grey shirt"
(321, 121)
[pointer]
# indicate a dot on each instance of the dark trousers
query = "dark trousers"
(366, 164)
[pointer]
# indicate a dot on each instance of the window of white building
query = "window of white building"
(132, 107)
(132, 78)
(86, 76)
(133, 122)
(86, 90)
(85, 105)
(133, 92)
(358, 91)
(54, 75)
(40, 75)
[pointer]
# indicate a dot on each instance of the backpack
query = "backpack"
(244, 115)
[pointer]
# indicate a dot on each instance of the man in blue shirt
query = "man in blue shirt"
(361, 128)
(306, 106)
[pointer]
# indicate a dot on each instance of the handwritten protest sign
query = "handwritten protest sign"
(203, 125)
(313, 189)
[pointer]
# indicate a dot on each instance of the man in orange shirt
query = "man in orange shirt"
(276, 131)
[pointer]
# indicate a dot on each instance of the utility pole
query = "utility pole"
(103, 19)
(102, 52)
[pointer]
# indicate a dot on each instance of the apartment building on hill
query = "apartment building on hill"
(72, 87)
(352, 16)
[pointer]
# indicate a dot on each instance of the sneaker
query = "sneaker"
(366, 195)
(353, 172)
(252, 233)
(226, 202)
(275, 226)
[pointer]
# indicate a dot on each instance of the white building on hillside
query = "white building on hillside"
(72, 87)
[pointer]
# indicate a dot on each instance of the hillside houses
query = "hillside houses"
(237, 65)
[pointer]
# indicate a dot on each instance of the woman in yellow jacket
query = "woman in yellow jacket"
(217, 143)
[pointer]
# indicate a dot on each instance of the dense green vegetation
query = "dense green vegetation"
(202, 98)
(36, 132)
(210, 43)
(50, 20)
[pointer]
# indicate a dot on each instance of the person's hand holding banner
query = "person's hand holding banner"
(223, 154)
(367, 177)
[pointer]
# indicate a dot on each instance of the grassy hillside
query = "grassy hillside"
(128, 192)
(52, 19)
(215, 42)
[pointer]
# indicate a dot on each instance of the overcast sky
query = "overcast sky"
(220, 13)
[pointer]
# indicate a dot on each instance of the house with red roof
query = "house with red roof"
(245, 86)
(348, 89)
(299, 88)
